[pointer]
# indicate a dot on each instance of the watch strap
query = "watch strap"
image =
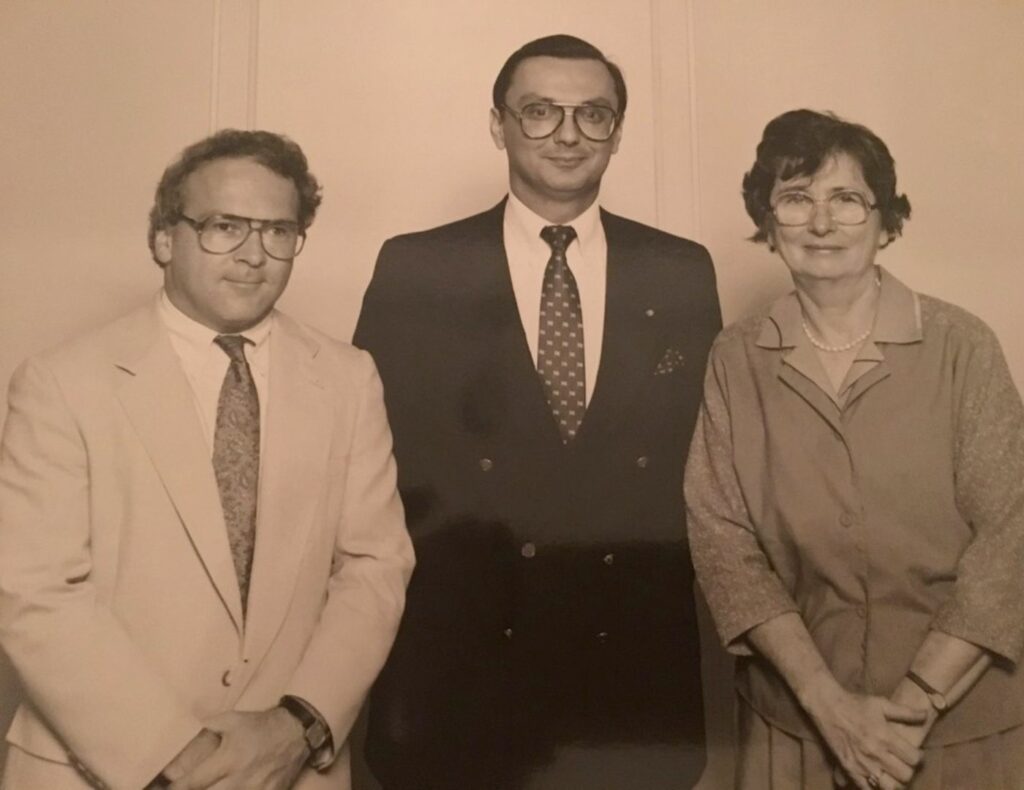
(314, 729)
(935, 697)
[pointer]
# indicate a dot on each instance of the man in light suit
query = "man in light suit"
(203, 555)
(543, 364)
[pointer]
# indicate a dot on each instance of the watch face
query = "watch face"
(316, 736)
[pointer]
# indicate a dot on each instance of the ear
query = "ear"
(498, 128)
(616, 137)
(163, 246)
(885, 238)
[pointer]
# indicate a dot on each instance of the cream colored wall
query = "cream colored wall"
(390, 101)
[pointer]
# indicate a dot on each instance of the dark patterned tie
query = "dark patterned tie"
(236, 456)
(560, 347)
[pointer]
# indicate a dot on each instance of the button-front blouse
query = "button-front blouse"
(879, 512)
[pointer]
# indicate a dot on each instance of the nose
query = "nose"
(821, 220)
(567, 133)
(251, 252)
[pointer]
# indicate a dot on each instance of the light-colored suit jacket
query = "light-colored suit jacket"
(119, 604)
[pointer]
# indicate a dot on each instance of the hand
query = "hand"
(862, 734)
(265, 750)
(198, 749)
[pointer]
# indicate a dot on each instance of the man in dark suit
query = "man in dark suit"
(542, 364)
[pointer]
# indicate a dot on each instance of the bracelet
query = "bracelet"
(935, 697)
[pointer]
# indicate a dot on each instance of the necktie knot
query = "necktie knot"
(558, 237)
(233, 346)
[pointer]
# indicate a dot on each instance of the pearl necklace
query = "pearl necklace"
(845, 346)
(834, 349)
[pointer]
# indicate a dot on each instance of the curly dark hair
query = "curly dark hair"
(274, 151)
(797, 142)
(557, 46)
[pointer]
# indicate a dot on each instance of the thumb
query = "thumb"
(222, 722)
(904, 714)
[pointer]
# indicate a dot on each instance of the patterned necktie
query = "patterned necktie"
(236, 456)
(560, 350)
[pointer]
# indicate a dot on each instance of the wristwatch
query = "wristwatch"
(314, 730)
(935, 697)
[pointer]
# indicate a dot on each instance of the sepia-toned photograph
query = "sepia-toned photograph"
(577, 395)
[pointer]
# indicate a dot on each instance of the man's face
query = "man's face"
(566, 167)
(233, 291)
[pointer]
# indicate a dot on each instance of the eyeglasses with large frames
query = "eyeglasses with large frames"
(223, 233)
(542, 119)
(845, 208)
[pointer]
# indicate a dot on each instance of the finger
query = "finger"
(223, 722)
(905, 751)
(204, 775)
(896, 768)
(904, 714)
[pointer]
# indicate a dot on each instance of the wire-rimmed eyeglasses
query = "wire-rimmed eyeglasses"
(845, 208)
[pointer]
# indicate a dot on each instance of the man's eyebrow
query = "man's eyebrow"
(599, 101)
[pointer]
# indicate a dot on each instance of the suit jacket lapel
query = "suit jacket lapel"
(159, 403)
(630, 342)
(294, 468)
(506, 389)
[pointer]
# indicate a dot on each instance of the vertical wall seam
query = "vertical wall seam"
(253, 70)
(215, 67)
(656, 111)
(691, 57)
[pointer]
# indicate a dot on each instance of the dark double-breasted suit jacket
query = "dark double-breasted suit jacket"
(552, 604)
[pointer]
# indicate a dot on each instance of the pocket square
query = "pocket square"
(671, 360)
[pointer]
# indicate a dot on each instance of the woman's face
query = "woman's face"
(823, 249)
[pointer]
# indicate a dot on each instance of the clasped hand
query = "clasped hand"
(867, 736)
(264, 750)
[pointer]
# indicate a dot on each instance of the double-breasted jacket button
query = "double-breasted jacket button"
(608, 558)
(508, 633)
(642, 461)
(528, 550)
(227, 678)
(486, 464)
(846, 519)
(602, 637)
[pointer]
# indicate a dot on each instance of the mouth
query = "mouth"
(823, 248)
(566, 162)
(244, 283)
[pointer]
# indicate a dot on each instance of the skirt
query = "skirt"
(770, 759)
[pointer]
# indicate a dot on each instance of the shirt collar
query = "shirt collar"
(196, 339)
(527, 225)
(898, 319)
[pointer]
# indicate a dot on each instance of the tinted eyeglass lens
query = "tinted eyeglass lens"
(541, 120)
(220, 235)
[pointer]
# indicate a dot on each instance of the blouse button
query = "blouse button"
(486, 464)
(608, 559)
(528, 550)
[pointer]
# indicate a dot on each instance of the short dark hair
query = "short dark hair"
(557, 46)
(274, 151)
(798, 142)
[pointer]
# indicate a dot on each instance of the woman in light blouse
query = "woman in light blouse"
(855, 490)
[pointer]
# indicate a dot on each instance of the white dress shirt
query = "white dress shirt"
(587, 257)
(205, 363)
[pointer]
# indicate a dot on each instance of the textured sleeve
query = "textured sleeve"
(987, 604)
(741, 588)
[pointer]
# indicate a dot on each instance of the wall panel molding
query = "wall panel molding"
(675, 122)
(234, 64)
